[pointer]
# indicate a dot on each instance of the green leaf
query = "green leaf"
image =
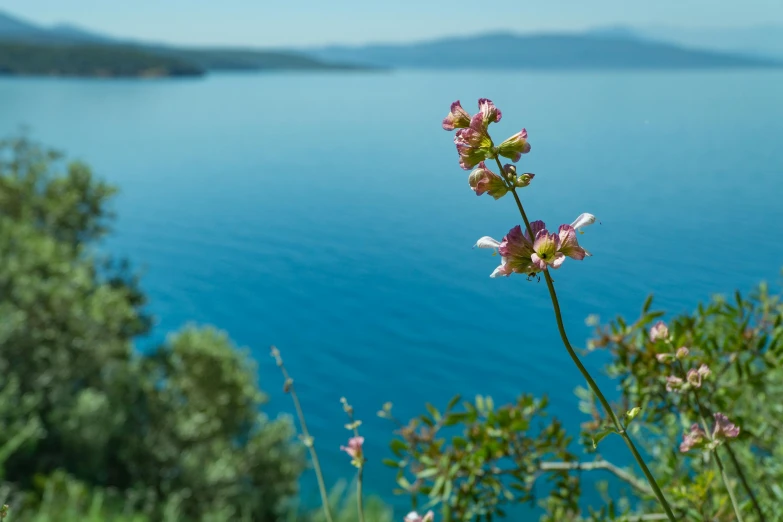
(602, 434)
(427, 473)
(391, 463)
(398, 447)
(433, 411)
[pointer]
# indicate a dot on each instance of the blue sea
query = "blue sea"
(327, 214)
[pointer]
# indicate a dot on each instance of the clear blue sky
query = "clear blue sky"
(307, 22)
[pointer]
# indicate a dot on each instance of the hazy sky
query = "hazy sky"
(306, 22)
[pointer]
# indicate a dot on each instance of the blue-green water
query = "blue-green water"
(326, 214)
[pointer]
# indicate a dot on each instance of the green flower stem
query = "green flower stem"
(728, 485)
(744, 481)
(359, 477)
(590, 382)
(306, 434)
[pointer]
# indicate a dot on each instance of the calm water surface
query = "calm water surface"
(327, 214)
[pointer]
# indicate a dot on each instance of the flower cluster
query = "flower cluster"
(697, 438)
(522, 254)
(472, 138)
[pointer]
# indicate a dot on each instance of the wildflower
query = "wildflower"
(489, 113)
(515, 146)
(415, 517)
(659, 331)
(682, 353)
(674, 384)
(483, 180)
(473, 144)
(694, 378)
(546, 250)
(704, 371)
(664, 357)
(521, 255)
(695, 438)
(354, 449)
(522, 180)
(724, 429)
(457, 118)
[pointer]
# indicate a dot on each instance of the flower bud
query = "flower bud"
(674, 384)
(659, 331)
(704, 371)
(682, 352)
(664, 357)
(523, 180)
(483, 180)
(694, 378)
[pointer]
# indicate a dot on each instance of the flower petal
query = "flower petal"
(487, 242)
(583, 220)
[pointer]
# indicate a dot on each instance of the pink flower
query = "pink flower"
(674, 384)
(664, 357)
(473, 143)
(724, 429)
(415, 517)
(484, 180)
(457, 118)
(693, 439)
(354, 448)
(694, 378)
(659, 331)
(515, 146)
(704, 371)
(521, 255)
(489, 113)
(546, 250)
(682, 353)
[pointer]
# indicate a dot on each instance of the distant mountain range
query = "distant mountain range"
(593, 50)
(602, 48)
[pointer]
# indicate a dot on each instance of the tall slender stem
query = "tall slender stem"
(308, 440)
(728, 485)
(590, 381)
(744, 481)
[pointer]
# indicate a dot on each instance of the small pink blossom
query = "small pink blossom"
(546, 250)
(682, 352)
(354, 448)
(489, 113)
(674, 383)
(515, 146)
(457, 118)
(704, 371)
(694, 378)
(664, 357)
(659, 331)
(415, 517)
(724, 429)
(473, 143)
(695, 438)
(482, 180)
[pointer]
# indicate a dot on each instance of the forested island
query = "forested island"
(22, 59)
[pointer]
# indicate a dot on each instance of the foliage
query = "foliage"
(473, 461)
(182, 421)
